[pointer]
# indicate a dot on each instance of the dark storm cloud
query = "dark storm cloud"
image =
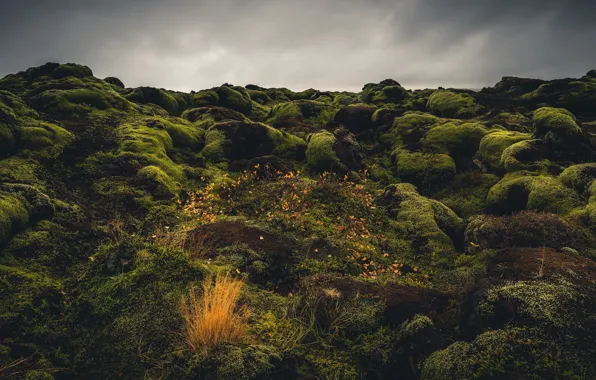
(328, 44)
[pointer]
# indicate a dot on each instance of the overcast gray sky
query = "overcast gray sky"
(326, 44)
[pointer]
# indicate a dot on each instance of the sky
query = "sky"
(324, 44)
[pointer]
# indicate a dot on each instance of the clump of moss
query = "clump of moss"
(557, 121)
(459, 141)
(159, 97)
(205, 98)
(7, 140)
(466, 193)
(524, 191)
(447, 103)
(158, 181)
(526, 229)
(236, 98)
(387, 91)
(494, 144)
(14, 214)
(236, 140)
(524, 155)
(426, 170)
(579, 177)
(513, 121)
(409, 129)
(505, 353)
(43, 140)
(320, 155)
(431, 226)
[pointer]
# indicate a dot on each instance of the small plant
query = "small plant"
(214, 316)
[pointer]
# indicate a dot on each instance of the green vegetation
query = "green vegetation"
(448, 104)
(388, 233)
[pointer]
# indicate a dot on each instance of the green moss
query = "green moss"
(237, 140)
(409, 129)
(6, 140)
(579, 177)
(544, 302)
(38, 375)
(183, 134)
(214, 145)
(531, 192)
(72, 70)
(19, 170)
(205, 98)
(466, 194)
(13, 215)
(428, 224)
(236, 98)
(459, 141)
(524, 155)
(148, 146)
(447, 103)
(513, 121)
(284, 112)
(426, 170)
(493, 144)
(320, 155)
(43, 140)
(498, 354)
(388, 91)
(159, 97)
(555, 120)
(158, 181)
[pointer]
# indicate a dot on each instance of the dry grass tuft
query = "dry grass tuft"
(214, 316)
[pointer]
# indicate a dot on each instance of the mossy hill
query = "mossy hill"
(428, 234)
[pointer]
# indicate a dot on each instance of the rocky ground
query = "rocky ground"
(428, 234)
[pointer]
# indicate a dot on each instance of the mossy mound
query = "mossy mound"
(448, 103)
(459, 141)
(387, 91)
(503, 354)
(356, 118)
(524, 191)
(236, 140)
(466, 193)
(527, 229)
(159, 97)
(525, 155)
(579, 177)
(425, 170)
(409, 129)
(14, 214)
(43, 140)
(320, 155)
(494, 144)
(301, 115)
(432, 227)
(557, 121)
(513, 121)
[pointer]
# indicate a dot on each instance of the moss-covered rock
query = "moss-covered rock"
(387, 91)
(14, 214)
(235, 140)
(409, 129)
(159, 97)
(448, 103)
(494, 144)
(43, 140)
(524, 191)
(459, 141)
(320, 155)
(357, 118)
(503, 354)
(466, 193)
(431, 226)
(425, 170)
(524, 155)
(557, 121)
(579, 177)
(236, 98)
(527, 229)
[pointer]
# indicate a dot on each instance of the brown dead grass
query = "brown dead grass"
(214, 317)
